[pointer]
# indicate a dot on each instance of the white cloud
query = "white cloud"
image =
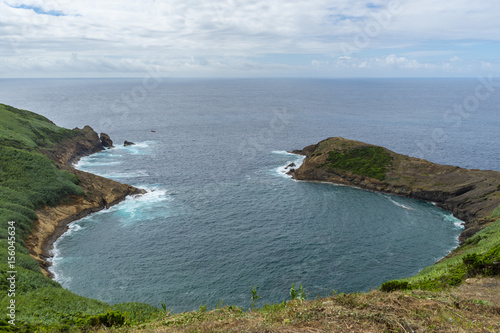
(194, 35)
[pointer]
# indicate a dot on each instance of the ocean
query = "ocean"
(221, 216)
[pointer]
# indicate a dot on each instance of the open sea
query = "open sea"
(221, 216)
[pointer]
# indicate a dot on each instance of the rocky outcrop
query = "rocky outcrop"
(106, 140)
(471, 195)
(84, 142)
(128, 143)
(100, 193)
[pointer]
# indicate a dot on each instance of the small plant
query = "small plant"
(478, 301)
(108, 319)
(302, 294)
(473, 262)
(203, 308)
(297, 294)
(254, 296)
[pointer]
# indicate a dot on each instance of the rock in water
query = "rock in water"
(128, 143)
(106, 140)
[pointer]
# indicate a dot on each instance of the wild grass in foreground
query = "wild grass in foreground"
(376, 311)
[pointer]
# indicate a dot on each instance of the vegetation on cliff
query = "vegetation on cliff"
(28, 181)
(364, 160)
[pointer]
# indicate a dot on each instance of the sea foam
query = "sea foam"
(399, 204)
(283, 169)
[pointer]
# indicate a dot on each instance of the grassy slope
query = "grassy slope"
(415, 311)
(28, 180)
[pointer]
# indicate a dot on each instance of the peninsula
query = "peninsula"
(471, 195)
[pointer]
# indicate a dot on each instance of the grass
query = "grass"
(368, 161)
(29, 180)
(376, 311)
(496, 212)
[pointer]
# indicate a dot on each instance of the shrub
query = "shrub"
(108, 319)
(368, 161)
(394, 285)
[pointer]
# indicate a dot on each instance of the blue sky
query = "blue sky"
(249, 38)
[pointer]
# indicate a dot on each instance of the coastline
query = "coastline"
(471, 195)
(100, 193)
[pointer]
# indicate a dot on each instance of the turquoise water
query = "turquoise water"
(221, 216)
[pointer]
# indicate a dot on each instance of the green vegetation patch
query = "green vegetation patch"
(27, 130)
(368, 161)
(29, 180)
(496, 212)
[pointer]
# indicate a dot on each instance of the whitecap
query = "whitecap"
(284, 152)
(459, 224)
(114, 175)
(399, 204)
(142, 207)
(55, 255)
(139, 148)
(87, 164)
(290, 164)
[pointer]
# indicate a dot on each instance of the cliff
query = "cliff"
(471, 195)
(100, 193)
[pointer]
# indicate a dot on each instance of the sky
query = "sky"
(249, 38)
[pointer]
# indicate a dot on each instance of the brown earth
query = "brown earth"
(100, 193)
(471, 195)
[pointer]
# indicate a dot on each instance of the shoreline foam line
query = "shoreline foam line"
(102, 193)
(284, 169)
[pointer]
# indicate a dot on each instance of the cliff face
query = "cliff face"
(100, 193)
(471, 195)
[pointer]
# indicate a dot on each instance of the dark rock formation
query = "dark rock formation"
(290, 165)
(106, 140)
(84, 142)
(471, 195)
(128, 143)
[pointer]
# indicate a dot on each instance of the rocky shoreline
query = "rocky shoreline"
(470, 195)
(100, 193)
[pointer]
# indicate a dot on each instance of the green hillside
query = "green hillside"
(29, 180)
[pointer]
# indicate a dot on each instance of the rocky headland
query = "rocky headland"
(471, 195)
(100, 193)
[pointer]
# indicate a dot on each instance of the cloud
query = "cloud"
(129, 35)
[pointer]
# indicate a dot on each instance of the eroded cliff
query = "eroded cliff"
(100, 193)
